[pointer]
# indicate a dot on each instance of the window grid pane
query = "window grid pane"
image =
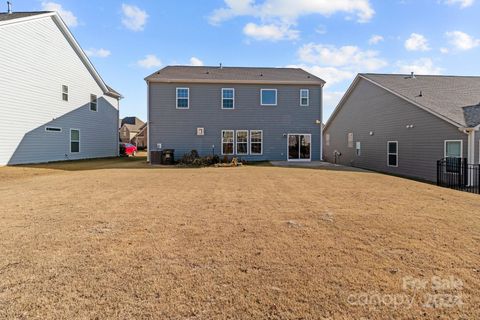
(256, 142)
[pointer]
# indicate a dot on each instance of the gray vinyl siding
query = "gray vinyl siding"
(36, 61)
(176, 129)
(373, 109)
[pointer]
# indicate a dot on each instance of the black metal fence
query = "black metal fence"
(456, 173)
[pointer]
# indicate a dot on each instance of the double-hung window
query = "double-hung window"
(453, 155)
(228, 142)
(304, 97)
(268, 97)
(183, 98)
(256, 142)
(64, 93)
(74, 140)
(453, 148)
(228, 98)
(93, 103)
(242, 142)
(392, 153)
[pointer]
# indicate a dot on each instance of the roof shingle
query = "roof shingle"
(234, 74)
(453, 97)
(17, 15)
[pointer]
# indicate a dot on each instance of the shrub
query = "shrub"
(193, 159)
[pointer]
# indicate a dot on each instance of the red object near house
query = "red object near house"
(127, 149)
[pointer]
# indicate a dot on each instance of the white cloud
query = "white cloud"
(338, 64)
(351, 57)
(375, 39)
(331, 75)
(98, 53)
(194, 61)
(270, 32)
(420, 66)
(290, 10)
(462, 3)
(444, 50)
(462, 41)
(278, 16)
(134, 18)
(417, 42)
(150, 61)
(67, 16)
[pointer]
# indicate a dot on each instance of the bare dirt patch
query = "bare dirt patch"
(115, 239)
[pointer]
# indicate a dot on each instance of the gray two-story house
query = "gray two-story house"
(255, 114)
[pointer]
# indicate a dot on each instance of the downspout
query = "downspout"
(321, 122)
(471, 150)
(148, 121)
(117, 146)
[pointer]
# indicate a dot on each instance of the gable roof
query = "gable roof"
(16, 17)
(234, 75)
(455, 99)
(133, 127)
(132, 121)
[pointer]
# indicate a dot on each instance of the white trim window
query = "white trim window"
(74, 141)
(64, 92)
(228, 98)
(183, 98)
(350, 139)
(228, 139)
(53, 129)
(242, 142)
(268, 97)
(392, 153)
(304, 97)
(93, 103)
(256, 142)
(453, 148)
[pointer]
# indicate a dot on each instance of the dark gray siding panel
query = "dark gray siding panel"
(373, 109)
(176, 129)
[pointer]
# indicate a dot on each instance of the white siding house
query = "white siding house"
(53, 104)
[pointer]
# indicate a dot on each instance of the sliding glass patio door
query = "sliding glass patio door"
(299, 147)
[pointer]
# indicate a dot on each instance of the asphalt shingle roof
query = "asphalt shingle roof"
(16, 15)
(232, 74)
(456, 98)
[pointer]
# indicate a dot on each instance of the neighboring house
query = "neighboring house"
(130, 127)
(403, 124)
(252, 113)
(140, 140)
(54, 104)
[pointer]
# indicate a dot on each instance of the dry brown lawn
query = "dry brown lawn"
(116, 239)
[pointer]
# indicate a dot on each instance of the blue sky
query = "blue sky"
(333, 39)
